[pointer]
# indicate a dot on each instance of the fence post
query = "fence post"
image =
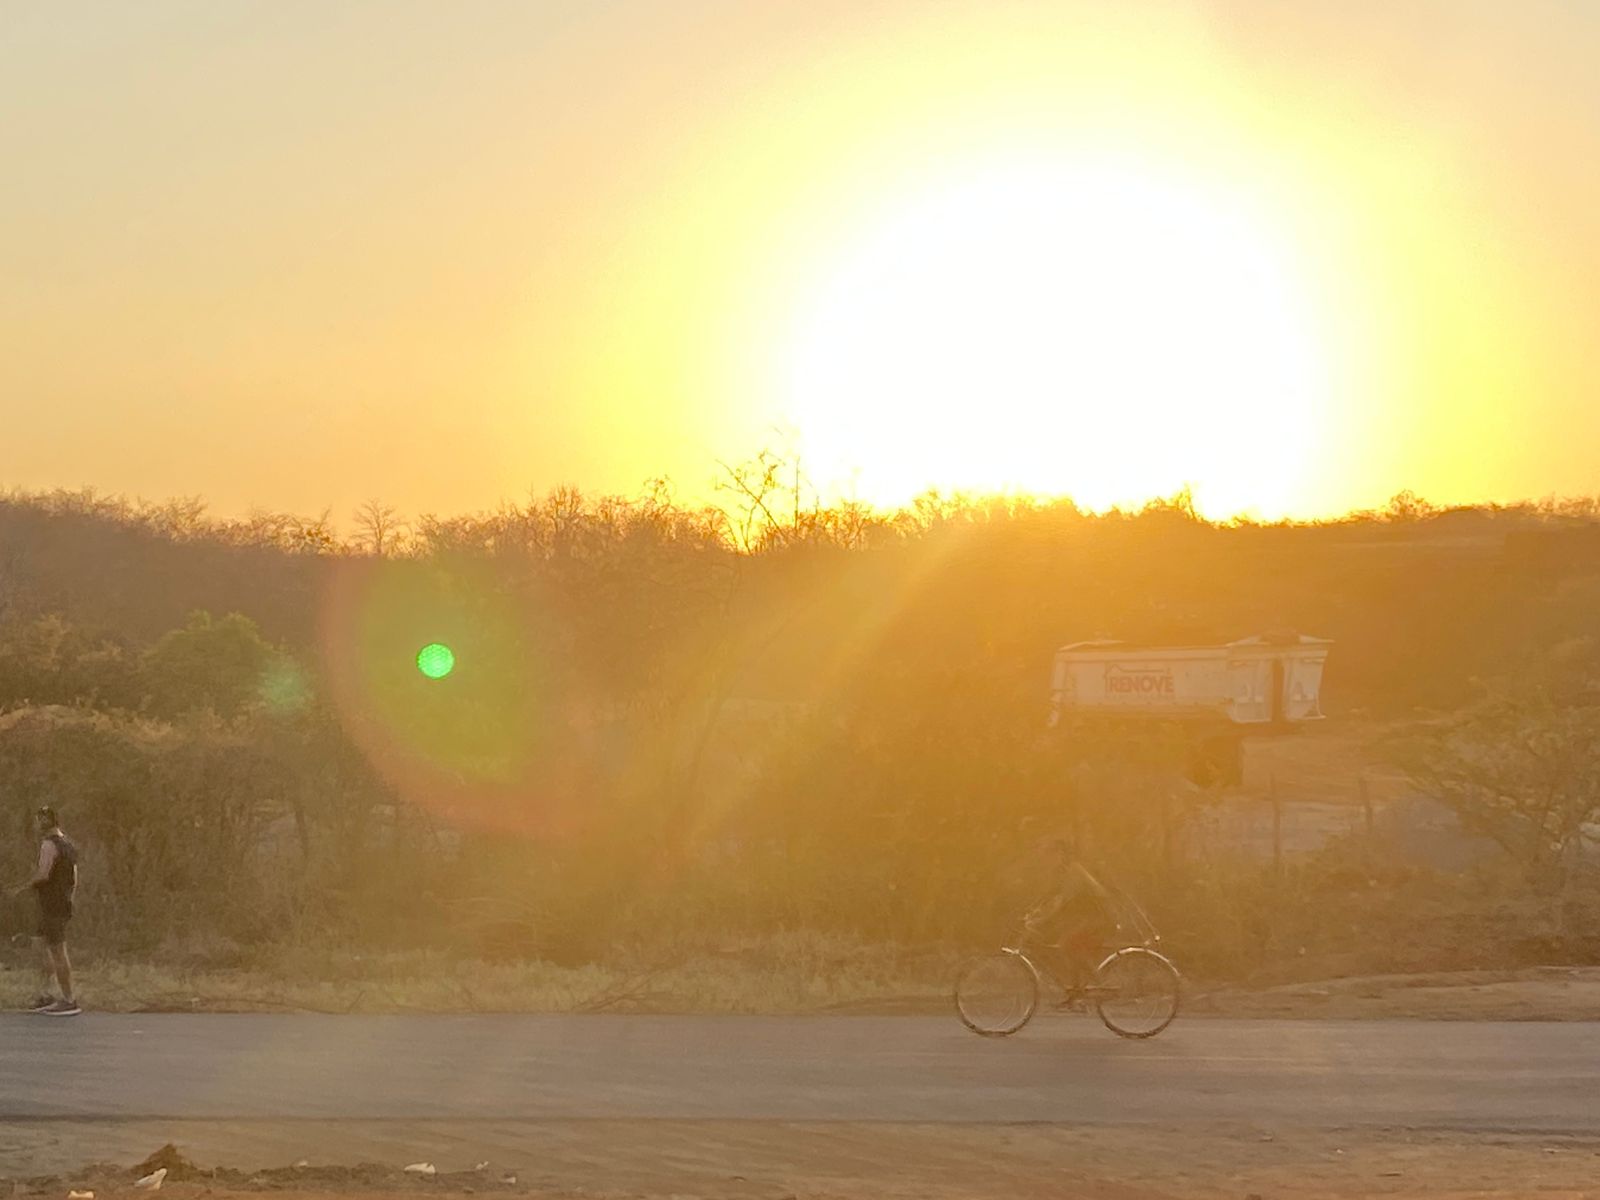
(1166, 831)
(1277, 822)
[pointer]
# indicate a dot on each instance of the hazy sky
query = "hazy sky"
(1302, 255)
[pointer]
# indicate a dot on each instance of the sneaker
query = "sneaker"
(42, 1002)
(62, 1008)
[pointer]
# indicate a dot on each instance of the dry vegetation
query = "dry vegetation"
(776, 755)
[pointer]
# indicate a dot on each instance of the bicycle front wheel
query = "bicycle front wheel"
(1136, 992)
(996, 995)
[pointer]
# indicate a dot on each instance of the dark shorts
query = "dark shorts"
(1082, 928)
(53, 927)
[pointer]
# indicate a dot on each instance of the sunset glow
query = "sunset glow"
(1097, 251)
(1094, 332)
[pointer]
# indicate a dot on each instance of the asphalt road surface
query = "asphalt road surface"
(1512, 1077)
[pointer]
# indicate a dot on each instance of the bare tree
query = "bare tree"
(756, 486)
(1522, 770)
(775, 503)
(379, 529)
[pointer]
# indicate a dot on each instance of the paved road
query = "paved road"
(1421, 1075)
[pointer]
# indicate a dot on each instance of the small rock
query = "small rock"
(508, 1178)
(483, 1166)
(425, 1169)
(302, 1165)
(153, 1181)
(80, 1196)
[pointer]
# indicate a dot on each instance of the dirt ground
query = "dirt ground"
(1531, 994)
(760, 1160)
(1527, 994)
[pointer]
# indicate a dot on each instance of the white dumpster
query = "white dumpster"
(1267, 680)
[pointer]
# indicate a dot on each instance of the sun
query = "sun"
(1104, 332)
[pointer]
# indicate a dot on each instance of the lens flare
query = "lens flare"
(493, 749)
(436, 660)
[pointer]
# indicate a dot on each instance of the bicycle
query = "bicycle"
(1135, 990)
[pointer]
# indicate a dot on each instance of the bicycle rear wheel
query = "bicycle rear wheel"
(1137, 992)
(996, 995)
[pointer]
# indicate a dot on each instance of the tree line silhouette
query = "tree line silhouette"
(692, 722)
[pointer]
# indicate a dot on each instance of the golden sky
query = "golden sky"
(1298, 255)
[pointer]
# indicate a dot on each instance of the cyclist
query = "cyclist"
(1074, 921)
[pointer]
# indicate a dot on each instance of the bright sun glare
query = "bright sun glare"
(1101, 333)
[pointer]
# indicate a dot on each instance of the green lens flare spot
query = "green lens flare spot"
(436, 660)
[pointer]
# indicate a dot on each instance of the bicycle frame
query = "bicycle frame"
(1041, 971)
(1133, 916)
(1121, 978)
(1129, 917)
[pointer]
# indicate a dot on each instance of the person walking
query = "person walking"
(54, 886)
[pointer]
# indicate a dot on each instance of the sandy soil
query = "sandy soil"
(1532, 994)
(658, 1160)
(1528, 994)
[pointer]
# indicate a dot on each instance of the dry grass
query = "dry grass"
(791, 973)
(784, 974)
